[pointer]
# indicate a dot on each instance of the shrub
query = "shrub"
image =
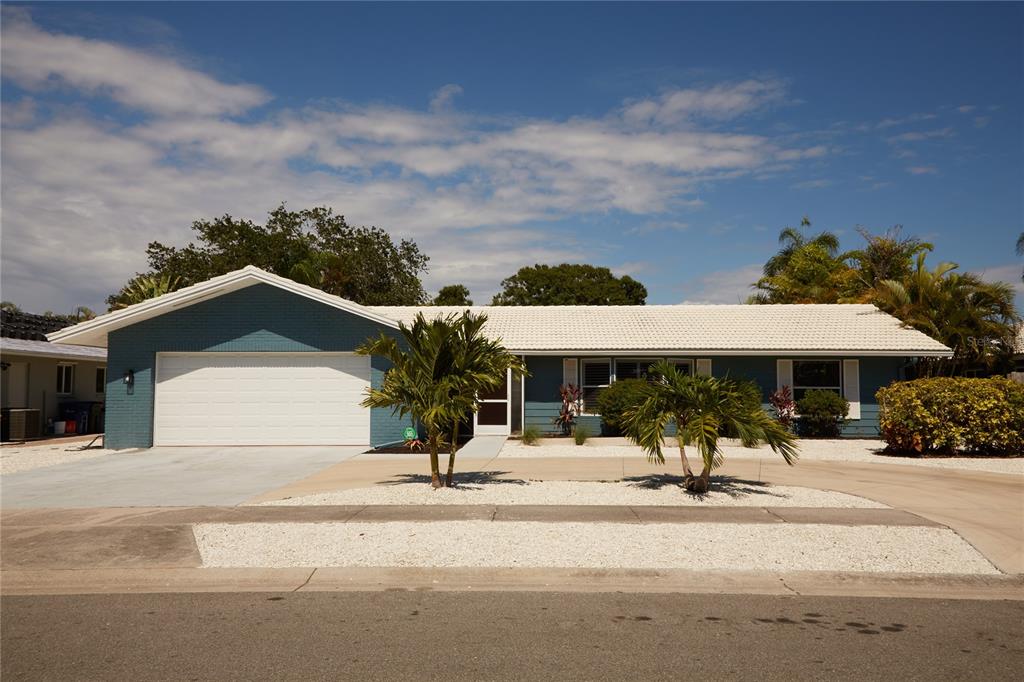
(530, 435)
(572, 406)
(822, 413)
(613, 402)
(785, 407)
(947, 415)
(581, 434)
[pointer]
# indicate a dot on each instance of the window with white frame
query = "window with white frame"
(597, 376)
(65, 379)
(822, 375)
(101, 379)
(632, 369)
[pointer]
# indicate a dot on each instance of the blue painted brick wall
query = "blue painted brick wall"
(260, 318)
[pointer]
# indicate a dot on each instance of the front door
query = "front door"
(494, 416)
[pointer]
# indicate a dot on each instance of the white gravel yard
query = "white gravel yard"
(695, 546)
(840, 450)
(25, 458)
(650, 491)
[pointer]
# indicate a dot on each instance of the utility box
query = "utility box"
(18, 424)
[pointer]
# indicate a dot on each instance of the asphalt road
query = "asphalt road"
(506, 635)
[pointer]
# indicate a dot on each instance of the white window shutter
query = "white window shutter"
(704, 367)
(783, 373)
(570, 372)
(851, 386)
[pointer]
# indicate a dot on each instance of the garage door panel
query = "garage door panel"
(261, 399)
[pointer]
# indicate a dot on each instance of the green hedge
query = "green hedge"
(822, 414)
(948, 415)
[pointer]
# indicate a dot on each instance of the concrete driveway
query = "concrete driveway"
(169, 477)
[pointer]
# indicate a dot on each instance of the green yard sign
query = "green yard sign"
(409, 433)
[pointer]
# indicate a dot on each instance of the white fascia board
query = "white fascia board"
(94, 332)
(734, 352)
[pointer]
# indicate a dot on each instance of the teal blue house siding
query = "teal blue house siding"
(542, 403)
(259, 318)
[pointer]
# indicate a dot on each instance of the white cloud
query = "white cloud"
(722, 286)
(912, 118)
(813, 184)
(966, 108)
(921, 135)
(37, 60)
(1011, 274)
(84, 195)
(981, 121)
(923, 170)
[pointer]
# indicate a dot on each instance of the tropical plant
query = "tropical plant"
(886, 256)
(446, 363)
(572, 406)
(145, 287)
(580, 434)
(613, 402)
(10, 307)
(976, 319)
(822, 413)
(702, 408)
(530, 435)
(805, 270)
(784, 405)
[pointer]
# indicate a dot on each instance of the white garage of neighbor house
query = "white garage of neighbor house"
(251, 358)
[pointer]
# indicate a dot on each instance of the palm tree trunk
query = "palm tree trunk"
(687, 471)
(451, 457)
(701, 483)
(435, 474)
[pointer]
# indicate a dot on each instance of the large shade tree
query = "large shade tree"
(313, 246)
(438, 371)
(977, 319)
(703, 410)
(453, 294)
(569, 284)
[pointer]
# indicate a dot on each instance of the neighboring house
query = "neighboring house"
(38, 375)
(250, 358)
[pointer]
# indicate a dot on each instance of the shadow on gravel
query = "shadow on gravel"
(727, 485)
(469, 480)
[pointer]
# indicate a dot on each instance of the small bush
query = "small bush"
(822, 414)
(613, 402)
(580, 434)
(949, 415)
(530, 435)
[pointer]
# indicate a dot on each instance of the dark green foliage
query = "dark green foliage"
(312, 246)
(569, 284)
(453, 294)
(614, 401)
(822, 414)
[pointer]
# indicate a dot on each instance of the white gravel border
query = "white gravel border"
(694, 546)
(838, 450)
(513, 492)
(14, 459)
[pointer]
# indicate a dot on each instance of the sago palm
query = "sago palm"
(703, 409)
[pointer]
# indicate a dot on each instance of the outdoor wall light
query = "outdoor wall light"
(129, 377)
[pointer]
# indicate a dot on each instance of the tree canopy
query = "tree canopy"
(569, 284)
(453, 294)
(313, 246)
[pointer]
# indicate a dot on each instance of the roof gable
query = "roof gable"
(94, 332)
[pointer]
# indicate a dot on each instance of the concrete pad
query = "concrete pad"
(658, 514)
(850, 517)
(169, 477)
(482, 447)
(122, 580)
(99, 547)
(384, 513)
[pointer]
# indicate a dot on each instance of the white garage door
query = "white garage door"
(261, 399)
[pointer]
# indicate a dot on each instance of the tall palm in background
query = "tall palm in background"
(791, 240)
(702, 408)
(447, 364)
(145, 287)
(976, 319)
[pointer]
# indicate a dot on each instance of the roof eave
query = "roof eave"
(831, 352)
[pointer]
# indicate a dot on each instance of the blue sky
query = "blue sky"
(670, 142)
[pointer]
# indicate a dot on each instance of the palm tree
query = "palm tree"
(703, 408)
(792, 240)
(145, 287)
(437, 380)
(805, 270)
(1020, 249)
(976, 319)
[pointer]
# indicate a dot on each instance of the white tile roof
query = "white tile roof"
(723, 329)
(61, 351)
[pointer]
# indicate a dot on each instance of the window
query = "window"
(825, 375)
(683, 365)
(101, 379)
(632, 369)
(597, 375)
(65, 379)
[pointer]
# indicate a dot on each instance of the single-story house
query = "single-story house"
(251, 358)
(37, 377)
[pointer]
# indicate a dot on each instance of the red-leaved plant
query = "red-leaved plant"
(572, 405)
(784, 405)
